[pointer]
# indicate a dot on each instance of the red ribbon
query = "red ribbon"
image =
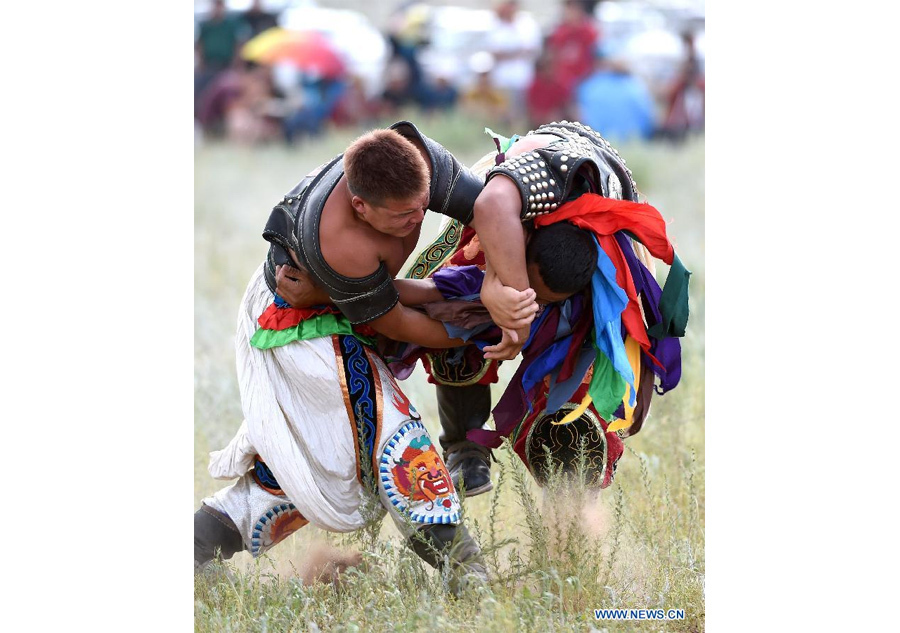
(275, 318)
(605, 216)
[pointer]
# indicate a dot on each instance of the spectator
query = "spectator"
(483, 101)
(548, 98)
(615, 102)
(355, 107)
(319, 97)
(515, 42)
(220, 37)
(397, 92)
(406, 36)
(214, 100)
(440, 95)
(218, 41)
(685, 100)
(572, 44)
(258, 19)
(248, 116)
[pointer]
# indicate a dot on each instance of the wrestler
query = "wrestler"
(326, 427)
(600, 385)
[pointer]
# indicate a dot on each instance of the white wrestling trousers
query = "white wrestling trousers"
(298, 420)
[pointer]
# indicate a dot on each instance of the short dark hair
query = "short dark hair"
(566, 256)
(382, 165)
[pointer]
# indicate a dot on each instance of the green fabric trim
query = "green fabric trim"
(673, 303)
(505, 143)
(607, 387)
(316, 327)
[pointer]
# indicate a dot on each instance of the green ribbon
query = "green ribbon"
(607, 386)
(316, 327)
(505, 143)
(673, 303)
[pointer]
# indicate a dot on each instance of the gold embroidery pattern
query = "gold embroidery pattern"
(437, 252)
(460, 375)
(564, 443)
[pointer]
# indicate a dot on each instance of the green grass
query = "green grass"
(555, 554)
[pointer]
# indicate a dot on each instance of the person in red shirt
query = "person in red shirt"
(686, 96)
(548, 98)
(572, 43)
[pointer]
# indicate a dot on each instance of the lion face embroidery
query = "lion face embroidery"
(416, 479)
(429, 475)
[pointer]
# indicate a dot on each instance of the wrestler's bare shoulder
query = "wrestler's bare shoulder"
(531, 142)
(503, 191)
(352, 251)
(349, 247)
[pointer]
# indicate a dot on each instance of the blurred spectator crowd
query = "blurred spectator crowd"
(258, 78)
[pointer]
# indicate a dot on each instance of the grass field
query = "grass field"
(554, 555)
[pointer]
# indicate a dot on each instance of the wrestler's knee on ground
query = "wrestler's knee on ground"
(257, 509)
(215, 536)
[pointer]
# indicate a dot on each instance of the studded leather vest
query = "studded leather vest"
(294, 224)
(581, 161)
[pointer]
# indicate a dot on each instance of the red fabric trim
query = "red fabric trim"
(631, 315)
(467, 253)
(490, 377)
(365, 330)
(275, 318)
(605, 216)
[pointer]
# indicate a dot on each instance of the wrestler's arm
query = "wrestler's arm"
(401, 323)
(415, 292)
(298, 288)
(497, 219)
(497, 222)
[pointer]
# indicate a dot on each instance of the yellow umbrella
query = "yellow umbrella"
(415, 19)
(259, 46)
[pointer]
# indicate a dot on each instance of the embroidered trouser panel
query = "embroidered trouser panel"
(336, 434)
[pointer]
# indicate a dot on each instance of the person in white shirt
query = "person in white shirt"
(515, 42)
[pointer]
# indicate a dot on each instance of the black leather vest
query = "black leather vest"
(580, 161)
(294, 224)
(454, 187)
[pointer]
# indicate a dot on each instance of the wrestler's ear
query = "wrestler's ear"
(359, 205)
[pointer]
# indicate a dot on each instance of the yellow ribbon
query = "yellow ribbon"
(633, 352)
(576, 413)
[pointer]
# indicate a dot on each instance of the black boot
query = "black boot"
(462, 409)
(436, 544)
(215, 537)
